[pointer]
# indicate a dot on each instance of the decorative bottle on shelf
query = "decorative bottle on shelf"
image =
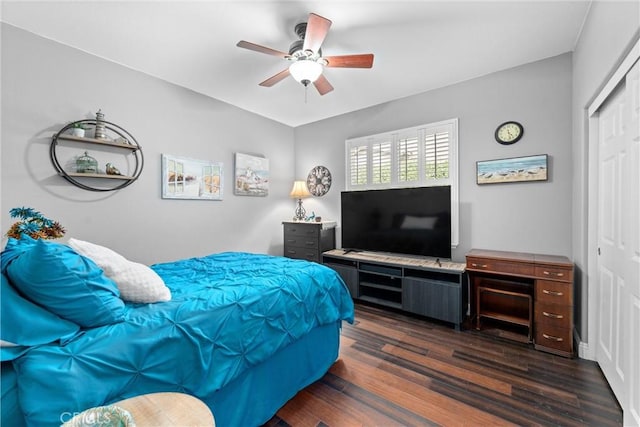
(100, 132)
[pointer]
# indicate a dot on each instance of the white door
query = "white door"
(618, 343)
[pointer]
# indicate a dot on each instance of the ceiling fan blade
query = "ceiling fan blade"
(275, 79)
(261, 49)
(323, 85)
(317, 29)
(350, 61)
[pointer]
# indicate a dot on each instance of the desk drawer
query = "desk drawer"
(551, 292)
(553, 338)
(553, 315)
(499, 266)
(554, 273)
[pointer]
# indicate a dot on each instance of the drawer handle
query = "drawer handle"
(553, 315)
(546, 273)
(554, 293)
(479, 265)
(309, 243)
(552, 338)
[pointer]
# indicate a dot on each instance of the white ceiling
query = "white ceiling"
(418, 45)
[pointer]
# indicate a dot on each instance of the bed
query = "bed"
(242, 332)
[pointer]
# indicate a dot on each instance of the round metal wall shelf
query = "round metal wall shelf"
(122, 140)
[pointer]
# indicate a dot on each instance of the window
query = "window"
(358, 165)
(381, 163)
(437, 155)
(408, 160)
(420, 156)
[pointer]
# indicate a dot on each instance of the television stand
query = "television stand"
(428, 287)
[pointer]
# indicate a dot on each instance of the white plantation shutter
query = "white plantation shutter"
(381, 163)
(408, 159)
(436, 152)
(357, 165)
(420, 156)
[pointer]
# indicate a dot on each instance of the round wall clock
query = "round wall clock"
(319, 181)
(509, 132)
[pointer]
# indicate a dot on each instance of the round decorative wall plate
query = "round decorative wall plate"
(319, 181)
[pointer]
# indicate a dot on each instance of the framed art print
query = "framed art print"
(184, 178)
(251, 175)
(516, 169)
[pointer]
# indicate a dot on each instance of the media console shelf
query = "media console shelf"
(421, 286)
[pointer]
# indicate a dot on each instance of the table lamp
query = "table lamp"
(299, 191)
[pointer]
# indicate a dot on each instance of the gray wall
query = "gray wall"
(45, 85)
(527, 217)
(608, 32)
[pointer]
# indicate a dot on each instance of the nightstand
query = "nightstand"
(308, 240)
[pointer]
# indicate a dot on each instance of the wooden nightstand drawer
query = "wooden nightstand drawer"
(499, 266)
(302, 253)
(551, 292)
(559, 339)
(550, 272)
(558, 316)
(307, 230)
(301, 241)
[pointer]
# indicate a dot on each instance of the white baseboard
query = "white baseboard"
(584, 351)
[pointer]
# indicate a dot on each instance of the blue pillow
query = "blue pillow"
(57, 278)
(13, 249)
(25, 324)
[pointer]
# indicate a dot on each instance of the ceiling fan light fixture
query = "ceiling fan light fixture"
(305, 71)
(306, 63)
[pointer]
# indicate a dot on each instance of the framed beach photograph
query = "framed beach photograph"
(184, 178)
(251, 175)
(516, 169)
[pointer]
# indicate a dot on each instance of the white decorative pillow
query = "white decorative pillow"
(136, 282)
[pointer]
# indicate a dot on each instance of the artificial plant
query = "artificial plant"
(34, 224)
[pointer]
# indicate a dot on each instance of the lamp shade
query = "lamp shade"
(299, 190)
(305, 70)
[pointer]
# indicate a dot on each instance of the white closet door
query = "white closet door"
(618, 344)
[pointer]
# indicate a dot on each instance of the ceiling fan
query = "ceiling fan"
(305, 55)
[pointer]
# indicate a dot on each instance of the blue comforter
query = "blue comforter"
(228, 312)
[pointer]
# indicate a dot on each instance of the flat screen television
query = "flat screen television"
(411, 221)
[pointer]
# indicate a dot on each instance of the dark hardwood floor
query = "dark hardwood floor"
(396, 369)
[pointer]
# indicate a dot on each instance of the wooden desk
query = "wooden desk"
(167, 410)
(503, 284)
